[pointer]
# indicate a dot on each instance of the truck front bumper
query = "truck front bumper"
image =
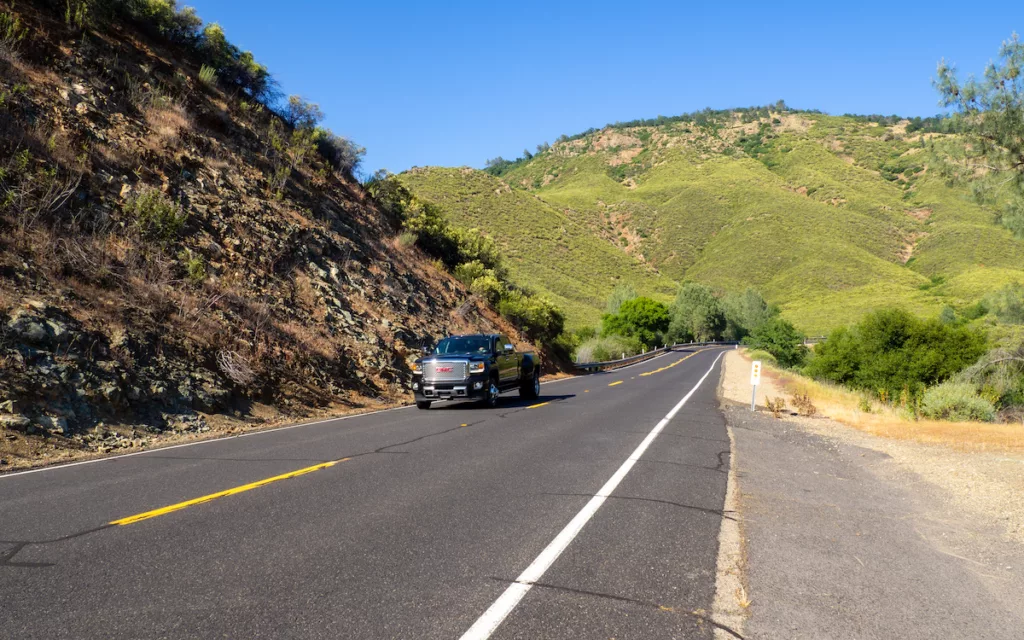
(473, 388)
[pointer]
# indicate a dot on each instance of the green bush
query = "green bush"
(12, 32)
(956, 401)
(208, 75)
(781, 339)
(156, 215)
(892, 351)
(640, 318)
(488, 287)
(607, 348)
(535, 316)
(467, 272)
(1007, 304)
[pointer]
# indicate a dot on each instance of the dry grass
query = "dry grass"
(167, 122)
(846, 407)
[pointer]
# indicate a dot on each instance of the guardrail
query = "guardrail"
(623, 362)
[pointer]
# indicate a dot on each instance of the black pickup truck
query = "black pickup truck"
(478, 367)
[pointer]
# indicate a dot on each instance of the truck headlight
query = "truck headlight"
(417, 367)
(476, 367)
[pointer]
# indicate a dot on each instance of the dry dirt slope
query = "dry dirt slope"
(277, 295)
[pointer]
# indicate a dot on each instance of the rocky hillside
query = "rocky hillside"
(173, 259)
(830, 217)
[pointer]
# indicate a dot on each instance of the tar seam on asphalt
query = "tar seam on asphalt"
(610, 596)
(716, 512)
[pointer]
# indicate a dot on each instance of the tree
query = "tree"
(781, 339)
(301, 114)
(745, 312)
(696, 314)
(990, 112)
(640, 318)
(620, 294)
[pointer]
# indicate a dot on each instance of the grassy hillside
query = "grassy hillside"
(828, 216)
(546, 249)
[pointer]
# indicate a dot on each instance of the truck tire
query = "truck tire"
(423, 404)
(493, 392)
(529, 388)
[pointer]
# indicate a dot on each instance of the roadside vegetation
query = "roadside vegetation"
(472, 258)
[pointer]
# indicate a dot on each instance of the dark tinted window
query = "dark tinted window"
(465, 344)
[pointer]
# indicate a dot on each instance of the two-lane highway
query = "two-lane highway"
(593, 511)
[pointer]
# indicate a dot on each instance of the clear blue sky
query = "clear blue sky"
(455, 83)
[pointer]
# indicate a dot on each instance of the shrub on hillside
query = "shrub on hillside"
(999, 375)
(781, 339)
(534, 315)
(488, 287)
(640, 318)
(891, 351)
(341, 153)
(607, 348)
(156, 215)
(956, 401)
(1007, 304)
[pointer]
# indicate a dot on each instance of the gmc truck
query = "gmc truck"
(475, 367)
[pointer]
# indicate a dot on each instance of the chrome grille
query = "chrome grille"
(431, 373)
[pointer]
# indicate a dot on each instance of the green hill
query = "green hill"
(830, 217)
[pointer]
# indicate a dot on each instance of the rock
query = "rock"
(9, 406)
(126, 189)
(14, 421)
(28, 327)
(53, 425)
(81, 108)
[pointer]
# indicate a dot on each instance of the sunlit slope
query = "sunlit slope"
(829, 217)
(545, 249)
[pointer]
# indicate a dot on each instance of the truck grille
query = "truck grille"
(439, 371)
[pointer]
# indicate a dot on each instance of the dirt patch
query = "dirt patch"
(610, 139)
(907, 252)
(920, 214)
(988, 482)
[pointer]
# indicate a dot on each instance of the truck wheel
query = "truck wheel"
(493, 392)
(529, 389)
(423, 404)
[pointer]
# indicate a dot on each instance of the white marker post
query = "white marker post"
(755, 379)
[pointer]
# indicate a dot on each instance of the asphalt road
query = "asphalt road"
(400, 524)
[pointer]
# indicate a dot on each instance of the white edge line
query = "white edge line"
(491, 619)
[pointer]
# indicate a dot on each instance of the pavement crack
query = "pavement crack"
(7, 558)
(617, 598)
(717, 512)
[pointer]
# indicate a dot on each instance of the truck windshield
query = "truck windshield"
(467, 344)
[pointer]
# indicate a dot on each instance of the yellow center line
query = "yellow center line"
(615, 383)
(651, 373)
(221, 494)
(534, 406)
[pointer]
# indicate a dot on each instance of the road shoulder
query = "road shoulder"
(842, 539)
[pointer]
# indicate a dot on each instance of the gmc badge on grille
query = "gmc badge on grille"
(445, 369)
